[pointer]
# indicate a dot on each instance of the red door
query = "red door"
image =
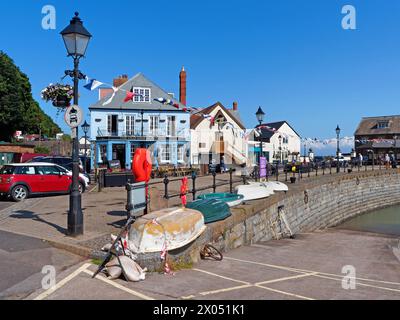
(51, 179)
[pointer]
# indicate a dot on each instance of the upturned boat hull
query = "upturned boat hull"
(254, 191)
(172, 227)
(231, 199)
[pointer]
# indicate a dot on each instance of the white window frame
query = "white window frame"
(165, 153)
(142, 95)
(154, 121)
(130, 125)
(171, 123)
(181, 153)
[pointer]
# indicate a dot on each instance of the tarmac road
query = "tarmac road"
(22, 259)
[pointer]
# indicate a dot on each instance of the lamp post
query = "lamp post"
(76, 39)
(85, 128)
(280, 149)
(260, 118)
(337, 149)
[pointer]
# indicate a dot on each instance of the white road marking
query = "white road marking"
(308, 271)
(285, 293)
(223, 277)
(206, 293)
(116, 285)
(287, 278)
(64, 281)
(360, 284)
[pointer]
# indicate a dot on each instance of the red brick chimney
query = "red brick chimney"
(235, 106)
(182, 86)
(120, 80)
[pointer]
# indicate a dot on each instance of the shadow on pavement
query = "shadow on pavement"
(23, 214)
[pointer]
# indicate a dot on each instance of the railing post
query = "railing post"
(323, 170)
(231, 180)
(285, 174)
(277, 172)
(330, 168)
(316, 170)
(194, 177)
(309, 169)
(214, 174)
(366, 165)
(166, 182)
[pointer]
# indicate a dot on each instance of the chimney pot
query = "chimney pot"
(235, 106)
(120, 80)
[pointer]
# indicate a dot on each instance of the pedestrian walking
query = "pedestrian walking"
(387, 161)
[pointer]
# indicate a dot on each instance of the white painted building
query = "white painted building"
(281, 143)
(218, 133)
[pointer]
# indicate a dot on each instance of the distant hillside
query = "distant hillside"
(18, 109)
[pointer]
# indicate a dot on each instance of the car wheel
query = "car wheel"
(19, 193)
(82, 188)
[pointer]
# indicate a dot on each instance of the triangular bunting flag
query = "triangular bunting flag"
(93, 84)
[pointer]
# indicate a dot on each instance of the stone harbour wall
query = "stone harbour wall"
(309, 206)
(313, 204)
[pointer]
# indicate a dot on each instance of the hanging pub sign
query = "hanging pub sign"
(73, 116)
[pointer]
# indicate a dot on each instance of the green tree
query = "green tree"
(18, 109)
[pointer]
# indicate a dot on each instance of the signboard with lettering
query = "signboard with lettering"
(263, 167)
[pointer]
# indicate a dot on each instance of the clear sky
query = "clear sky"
(292, 57)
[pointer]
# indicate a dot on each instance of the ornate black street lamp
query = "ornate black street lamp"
(76, 39)
(260, 118)
(85, 128)
(337, 149)
(280, 149)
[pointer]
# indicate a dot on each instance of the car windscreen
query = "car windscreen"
(7, 170)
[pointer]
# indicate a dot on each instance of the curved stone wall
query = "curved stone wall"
(309, 206)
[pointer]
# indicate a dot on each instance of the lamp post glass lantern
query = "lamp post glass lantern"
(337, 149)
(76, 39)
(85, 128)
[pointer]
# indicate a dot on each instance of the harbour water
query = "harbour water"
(385, 221)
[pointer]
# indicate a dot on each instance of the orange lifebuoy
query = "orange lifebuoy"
(142, 165)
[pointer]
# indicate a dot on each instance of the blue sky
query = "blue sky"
(292, 57)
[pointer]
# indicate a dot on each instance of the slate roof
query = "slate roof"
(369, 126)
(196, 118)
(267, 134)
(138, 81)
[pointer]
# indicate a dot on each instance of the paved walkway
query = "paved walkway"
(306, 268)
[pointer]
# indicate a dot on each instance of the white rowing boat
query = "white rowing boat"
(254, 191)
(273, 185)
(172, 228)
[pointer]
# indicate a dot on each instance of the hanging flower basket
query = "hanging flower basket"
(59, 94)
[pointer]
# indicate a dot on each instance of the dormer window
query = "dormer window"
(383, 124)
(142, 95)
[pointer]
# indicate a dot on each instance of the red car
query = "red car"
(23, 180)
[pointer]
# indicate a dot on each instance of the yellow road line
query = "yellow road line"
(64, 281)
(116, 285)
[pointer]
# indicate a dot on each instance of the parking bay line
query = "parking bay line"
(248, 285)
(121, 287)
(63, 282)
(309, 271)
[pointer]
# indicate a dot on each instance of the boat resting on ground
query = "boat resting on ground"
(254, 191)
(173, 227)
(231, 199)
(273, 185)
(213, 210)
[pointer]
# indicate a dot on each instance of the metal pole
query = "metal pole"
(85, 165)
(259, 161)
(75, 215)
(337, 155)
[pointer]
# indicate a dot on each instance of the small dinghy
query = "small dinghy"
(231, 199)
(172, 227)
(273, 185)
(254, 191)
(212, 209)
